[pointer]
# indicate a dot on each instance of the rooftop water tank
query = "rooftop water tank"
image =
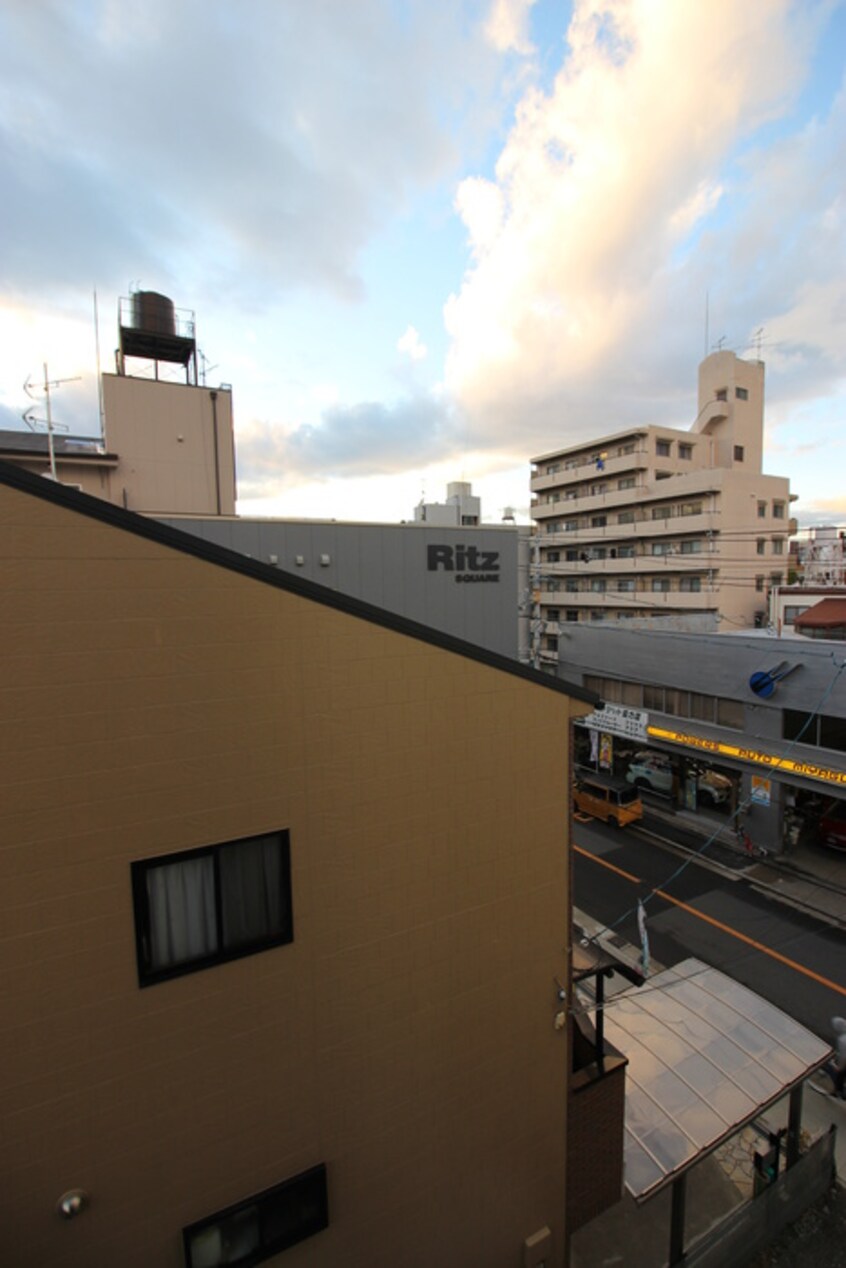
(153, 313)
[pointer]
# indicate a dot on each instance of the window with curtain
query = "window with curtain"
(262, 1226)
(205, 906)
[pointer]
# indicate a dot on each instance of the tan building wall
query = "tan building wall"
(169, 449)
(175, 446)
(663, 524)
(155, 702)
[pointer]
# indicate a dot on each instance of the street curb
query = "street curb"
(764, 887)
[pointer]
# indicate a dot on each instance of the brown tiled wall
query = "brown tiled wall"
(152, 702)
(595, 1122)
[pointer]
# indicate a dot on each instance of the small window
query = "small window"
(662, 448)
(661, 584)
(759, 584)
(598, 552)
(628, 482)
(741, 393)
(553, 556)
(572, 614)
(660, 512)
(730, 713)
(552, 614)
(571, 526)
(550, 643)
(663, 475)
(625, 552)
(776, 578)
(571, 585)
(662, 548)
(690, 508)
(761, 546)
(690, 585)
(778, 545)
(597, 585)
(721, 394)
(702, 707)
(261, 1226)
(626, 585)
(692, 547)
(738, 453)
(203, 907)
(626, 517)
(762, 510)
(778, 510)
(685, 451)
(598, 521)
(553, 526)
(653, 697)
(571, 555)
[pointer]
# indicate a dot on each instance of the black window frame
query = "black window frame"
(311, 1183)
(148, 976)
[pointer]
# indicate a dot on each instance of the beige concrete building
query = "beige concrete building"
(285, 900)
(663, 524)
(167, 447)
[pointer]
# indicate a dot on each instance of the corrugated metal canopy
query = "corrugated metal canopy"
(706, 1055)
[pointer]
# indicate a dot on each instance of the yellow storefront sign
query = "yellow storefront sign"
(720, 749)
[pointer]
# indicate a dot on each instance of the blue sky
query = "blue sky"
(425, 241)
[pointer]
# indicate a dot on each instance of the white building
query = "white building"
(678, 528)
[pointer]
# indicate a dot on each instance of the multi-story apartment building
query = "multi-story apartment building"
(658, 522)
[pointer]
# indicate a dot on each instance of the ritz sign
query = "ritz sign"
(467, 563)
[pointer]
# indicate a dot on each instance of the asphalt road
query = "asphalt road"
(785, 955)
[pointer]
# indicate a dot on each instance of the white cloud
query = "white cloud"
(411, 344)
(507, 26)
(585, 241)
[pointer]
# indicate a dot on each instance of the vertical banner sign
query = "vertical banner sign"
(594, 746)
(606, 751)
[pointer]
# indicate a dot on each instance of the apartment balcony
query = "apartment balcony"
(704, 524)
(641, 562)
(643, 596)
(611, 470)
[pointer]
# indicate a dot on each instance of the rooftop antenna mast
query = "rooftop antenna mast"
(33, 422)
(206, 368)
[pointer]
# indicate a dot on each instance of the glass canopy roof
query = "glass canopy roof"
(706, 1055)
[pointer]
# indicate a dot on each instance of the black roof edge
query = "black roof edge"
(141, 526)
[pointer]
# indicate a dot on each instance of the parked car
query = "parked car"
(713, 787)
(606, 798)
(651, 770)
(832, 829)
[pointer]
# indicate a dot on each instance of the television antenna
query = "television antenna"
(206, 368)
(33, 422)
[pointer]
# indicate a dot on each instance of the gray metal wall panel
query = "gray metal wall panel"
(387, 565)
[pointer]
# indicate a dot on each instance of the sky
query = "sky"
(427, 240)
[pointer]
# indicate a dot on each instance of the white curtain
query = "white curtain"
(182, 916)
(251, 891)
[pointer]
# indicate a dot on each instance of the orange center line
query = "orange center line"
(718, 924)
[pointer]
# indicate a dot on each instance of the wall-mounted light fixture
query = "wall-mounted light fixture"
(72, 1203)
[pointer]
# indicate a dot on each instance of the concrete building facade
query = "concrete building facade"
(284, 905)
(695, 722)
(676, 527)
(468, 582)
